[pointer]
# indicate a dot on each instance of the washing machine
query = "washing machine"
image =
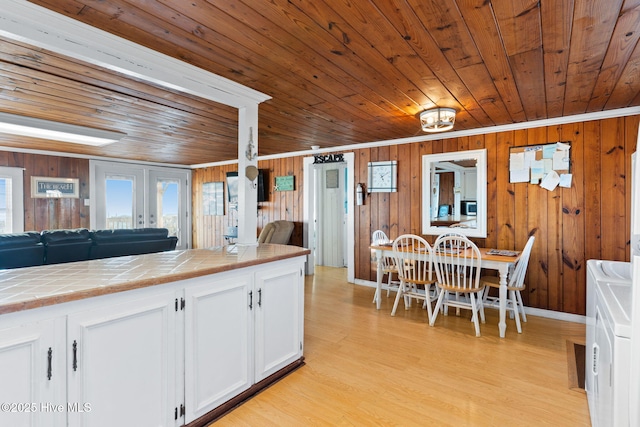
(611, 356)
(603, 273)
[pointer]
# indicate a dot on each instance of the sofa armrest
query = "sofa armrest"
(21, 250)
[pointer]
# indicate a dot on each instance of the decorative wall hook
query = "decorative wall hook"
(251, 154)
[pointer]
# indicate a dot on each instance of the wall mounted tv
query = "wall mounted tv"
(232, 187)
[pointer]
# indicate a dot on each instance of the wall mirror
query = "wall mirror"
(454, 193)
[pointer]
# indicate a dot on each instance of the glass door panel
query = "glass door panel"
(5, 205)
(119, 202)
(117, 196)
(11, 200)
(168, 205)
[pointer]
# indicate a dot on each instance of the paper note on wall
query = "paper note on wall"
(561, 160)
(565, 180)
(537, 171)
(550, 181)
(516, 161)
(548, 151)
(518, 170)
(521, 175)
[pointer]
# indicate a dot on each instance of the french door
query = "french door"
(137, 196)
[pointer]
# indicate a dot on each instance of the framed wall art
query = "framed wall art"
(42, 187)
(213, 198)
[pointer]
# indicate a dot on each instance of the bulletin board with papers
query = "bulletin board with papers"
(547, 165)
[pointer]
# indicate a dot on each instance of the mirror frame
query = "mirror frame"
(481, 193)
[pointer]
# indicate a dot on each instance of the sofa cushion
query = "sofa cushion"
(21, 250)
(112, 243)
(16, 240)
(55, 237)
(124, 235)
(66, 245)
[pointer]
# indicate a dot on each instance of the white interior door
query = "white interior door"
(331, 215)
(126, 196)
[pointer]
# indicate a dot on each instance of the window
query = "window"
(11, 196)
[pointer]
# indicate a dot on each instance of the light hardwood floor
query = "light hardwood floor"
(365, 368)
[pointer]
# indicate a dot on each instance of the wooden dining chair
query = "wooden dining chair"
(414, 260)
(457, 262)
(514, 286)
(389, 268)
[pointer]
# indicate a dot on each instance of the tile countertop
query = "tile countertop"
(32, 287)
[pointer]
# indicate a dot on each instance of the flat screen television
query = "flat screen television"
(232, 187)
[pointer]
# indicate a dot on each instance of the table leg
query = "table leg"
(502, 323)
(378, 296)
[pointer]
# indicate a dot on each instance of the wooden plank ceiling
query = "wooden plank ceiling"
(339, 72)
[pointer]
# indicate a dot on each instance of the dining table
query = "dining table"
(503, 262)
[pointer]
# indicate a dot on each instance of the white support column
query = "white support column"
(247, 190)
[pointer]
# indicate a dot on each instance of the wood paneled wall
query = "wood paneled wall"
(209, 230)
(589, 220)
(49, 214)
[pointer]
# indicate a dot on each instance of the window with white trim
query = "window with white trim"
(11, 200)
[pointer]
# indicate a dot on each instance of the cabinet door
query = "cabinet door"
(32, 376)
(121, 362)
(278, 317)
(218, 341)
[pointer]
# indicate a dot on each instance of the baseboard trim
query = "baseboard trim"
(540, 312)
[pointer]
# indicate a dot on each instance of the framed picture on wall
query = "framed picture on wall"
(57, 188)
(213, 198)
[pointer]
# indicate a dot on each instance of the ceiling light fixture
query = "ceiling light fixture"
(46, 129)
(437, 119)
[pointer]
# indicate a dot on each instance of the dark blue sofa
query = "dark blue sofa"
(60, 246)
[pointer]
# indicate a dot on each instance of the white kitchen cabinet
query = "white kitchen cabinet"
(218, 341)
(161, 355)
(279, 313)
(122, 361)
(239, 329)
(32, 376)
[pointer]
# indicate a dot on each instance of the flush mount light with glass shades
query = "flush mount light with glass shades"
(46, 129)
(437, 119)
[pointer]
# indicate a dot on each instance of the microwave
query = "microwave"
(469, 208)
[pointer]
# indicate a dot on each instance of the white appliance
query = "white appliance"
(608, 341)
(611, 362)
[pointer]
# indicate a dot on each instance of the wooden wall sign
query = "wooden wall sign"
(54, 187)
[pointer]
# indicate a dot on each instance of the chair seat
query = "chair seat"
(494, 282)
(421, 282)
(458, 289)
